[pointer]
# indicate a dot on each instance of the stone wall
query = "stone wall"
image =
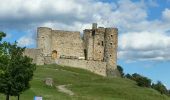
(67, 43)
(88, 44)
(98, 44)
(101, 45)
(44, 40)
(36, 55)
(111, 42)
(93, 66)
(98, 47)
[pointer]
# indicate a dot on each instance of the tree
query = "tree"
(141, 80)
(16, 69)
(2, 34)
(160, 87)
(120, 69)
(128, 76)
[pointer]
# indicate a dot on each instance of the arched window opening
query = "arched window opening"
(54, 54)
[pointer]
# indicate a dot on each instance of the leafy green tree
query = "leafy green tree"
(160, 87)
(16, 69)
(120, 69)
(2, 34)
(141, 80)
(128, 76)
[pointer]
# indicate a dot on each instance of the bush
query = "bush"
(128, 76)
(146, 82)
(160, 87)
(140, 80)
(120, 69)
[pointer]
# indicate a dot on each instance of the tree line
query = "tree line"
(143, 81)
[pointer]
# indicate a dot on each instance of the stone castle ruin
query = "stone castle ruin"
(95, 51)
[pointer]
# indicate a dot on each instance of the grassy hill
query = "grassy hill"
(85, 85)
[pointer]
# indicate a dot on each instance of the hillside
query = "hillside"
(85, 86)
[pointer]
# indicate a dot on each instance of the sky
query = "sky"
(144, 28)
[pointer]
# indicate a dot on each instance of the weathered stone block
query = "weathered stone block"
(49, 81)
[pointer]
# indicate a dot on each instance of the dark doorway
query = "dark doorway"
(54, 54)
(85, 54)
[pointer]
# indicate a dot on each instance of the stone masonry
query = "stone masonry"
(96, 51)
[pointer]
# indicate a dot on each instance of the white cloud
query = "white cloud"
(139, 38)
(26, 40)
(153, 3)
(144, 46)
(166, 14)
(144, 41)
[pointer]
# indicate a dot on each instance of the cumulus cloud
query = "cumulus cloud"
(144, 46)
(139, 38)
(153, 3)
(144, 41)
(166, 14)
(26, 40)
(31, 12)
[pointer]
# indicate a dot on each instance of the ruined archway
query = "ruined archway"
(54, 54)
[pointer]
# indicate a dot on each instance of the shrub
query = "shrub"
(120, 69)
(160, 87)
(141, 80)
(128, 76)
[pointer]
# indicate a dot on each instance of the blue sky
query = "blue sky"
(144, 27)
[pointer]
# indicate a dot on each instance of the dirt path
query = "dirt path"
(62, 88)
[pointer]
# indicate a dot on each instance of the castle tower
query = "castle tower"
(110, 52)
(98, 44)
(88, 44)
(94, 26)
(94, 43)
(44, 36)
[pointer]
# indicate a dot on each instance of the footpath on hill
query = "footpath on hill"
(62, 88)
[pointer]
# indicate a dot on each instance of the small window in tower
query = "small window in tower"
(110, 43)
(93, 33)
(98, 43)
(42, 37)
(110, 55)
(102, 43)
(111, 35)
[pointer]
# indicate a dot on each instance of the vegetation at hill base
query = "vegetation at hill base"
(143, 81)
(85, 85)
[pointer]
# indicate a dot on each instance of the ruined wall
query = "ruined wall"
(44, 40)
(36, 55)
(94, 43)
(111, 36)
(98, 44)
(93, 66)
(67, 43)
(88, 44)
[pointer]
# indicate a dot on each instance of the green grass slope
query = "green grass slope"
(85, 85)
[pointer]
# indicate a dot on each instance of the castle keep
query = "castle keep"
(95, 51)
